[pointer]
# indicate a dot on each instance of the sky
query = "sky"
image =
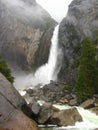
(57, 8)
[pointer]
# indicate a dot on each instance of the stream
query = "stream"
(90, 120)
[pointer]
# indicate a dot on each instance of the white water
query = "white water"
(45, 73)
(90, 120)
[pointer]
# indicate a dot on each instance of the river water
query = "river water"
(90, 120)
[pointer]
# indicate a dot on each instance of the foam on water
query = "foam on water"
(90, 119)
(45, 73)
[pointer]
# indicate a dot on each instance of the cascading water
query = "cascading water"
(90, 120)
(47, 72)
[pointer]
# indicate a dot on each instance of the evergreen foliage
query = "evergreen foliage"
(4, 69)
(87, 81)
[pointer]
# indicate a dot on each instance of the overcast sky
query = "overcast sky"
(56, 8)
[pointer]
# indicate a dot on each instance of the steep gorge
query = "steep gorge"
(25, 35)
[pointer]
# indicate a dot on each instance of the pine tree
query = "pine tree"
(4, 69)
(87, 80)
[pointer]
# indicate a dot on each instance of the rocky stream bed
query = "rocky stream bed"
(52, 104)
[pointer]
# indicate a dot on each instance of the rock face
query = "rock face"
(42, 54)
(81, 21)
(11, 108)
(22, 24)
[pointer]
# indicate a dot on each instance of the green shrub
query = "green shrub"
(4, 69)
(68, 88)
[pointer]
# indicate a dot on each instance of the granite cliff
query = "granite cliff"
(80, 22)
(22, 23)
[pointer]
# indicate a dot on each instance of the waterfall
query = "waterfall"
(46, 72)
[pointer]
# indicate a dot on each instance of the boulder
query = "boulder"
(73, 102)
(63, 100)
(45, 113)
(16, 120)
(66, 117)
(95, 109)
(96, 99)
(35, 108)
(12, 96)
(13, 108)
(88, 104)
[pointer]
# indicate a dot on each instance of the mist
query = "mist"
(24, 8)
(57, 8)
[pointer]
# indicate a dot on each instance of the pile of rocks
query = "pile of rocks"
(54, 93)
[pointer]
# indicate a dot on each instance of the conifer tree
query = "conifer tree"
(87, 80)
(4, 69)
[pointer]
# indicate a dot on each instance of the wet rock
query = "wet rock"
(96, 99)
(45, 113)
(53, 92)
(42, 54)
(88, 104)
(35, 108)
(66, 117)
(73, 102)
(63, 100)
(94, 109)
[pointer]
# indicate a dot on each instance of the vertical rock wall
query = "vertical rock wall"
(81, 22)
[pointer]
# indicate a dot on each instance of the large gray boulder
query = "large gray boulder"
(80, 22)
(11, 105)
